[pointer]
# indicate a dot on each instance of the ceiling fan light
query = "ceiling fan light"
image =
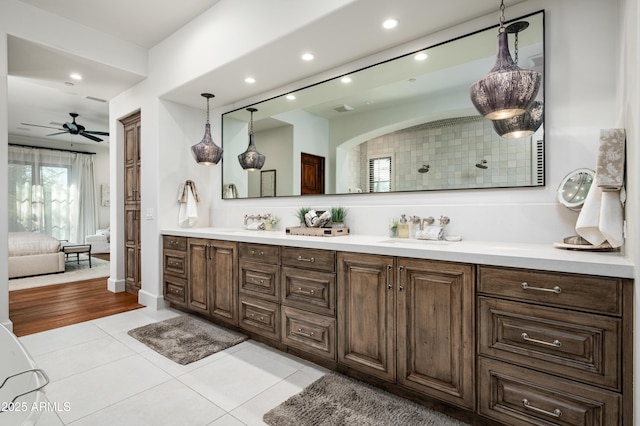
(507, 90)
(206, 152)
(521, 125)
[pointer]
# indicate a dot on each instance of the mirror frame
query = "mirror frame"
(539, 140)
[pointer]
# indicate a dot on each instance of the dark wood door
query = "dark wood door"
(224, 285)
(366, 312)
(132, 264)
(436, 330)
(198, 282)
(311, 174)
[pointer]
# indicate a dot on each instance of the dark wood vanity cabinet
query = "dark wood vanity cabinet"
(553, 348)
(174, 266)
(212, 287)
(509, 345)
(409, 321)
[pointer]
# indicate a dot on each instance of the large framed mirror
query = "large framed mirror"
(406, 124)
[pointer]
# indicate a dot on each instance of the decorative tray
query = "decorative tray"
(316, 232)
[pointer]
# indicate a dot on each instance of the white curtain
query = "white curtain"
(52, 192)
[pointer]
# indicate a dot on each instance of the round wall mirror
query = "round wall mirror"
(574, 188)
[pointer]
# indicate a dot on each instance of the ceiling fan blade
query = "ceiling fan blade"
(59, 133)
(37, 125)
(96, 133)
(93, 138)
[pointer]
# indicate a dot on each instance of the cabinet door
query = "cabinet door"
(436, 329)
(198, 283)
(224, 281)
(366, 313)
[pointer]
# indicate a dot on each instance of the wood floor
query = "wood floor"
(44, 308)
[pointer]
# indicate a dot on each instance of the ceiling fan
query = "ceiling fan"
(74, 129)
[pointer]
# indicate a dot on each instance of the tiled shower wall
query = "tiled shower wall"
(451, 149)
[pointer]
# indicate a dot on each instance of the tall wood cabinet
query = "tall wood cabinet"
(212, 287)
(409, 321)
(132, 202)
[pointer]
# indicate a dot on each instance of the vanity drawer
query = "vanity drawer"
(588, 293)
(260, 316)
(174, 243)
(174, 290)
(581, 346)
(309, 332)
(175, 263)
(260, 253)
(321, 260)
(310, 290)
(521, 397)
(260, 280)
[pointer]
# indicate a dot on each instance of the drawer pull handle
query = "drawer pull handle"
(304, 259)
(556, 289)
(257, 253)
(556, 343)
(310, 292)
(254, 317)
(555, 413)
(301, 331)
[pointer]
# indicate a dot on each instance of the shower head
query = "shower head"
(482, 165)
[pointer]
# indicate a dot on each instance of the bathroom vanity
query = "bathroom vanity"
(513, 334)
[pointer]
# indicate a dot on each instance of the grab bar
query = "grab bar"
(33, 370)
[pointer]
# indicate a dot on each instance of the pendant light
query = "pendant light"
(524, 124)
(507, 90)
(206, 152)
(251, 159)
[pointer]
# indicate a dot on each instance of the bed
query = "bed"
(32, 253)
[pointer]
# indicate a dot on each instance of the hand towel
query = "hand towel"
(610, 165)
(601, 218)
(188, 198)
(588, 223)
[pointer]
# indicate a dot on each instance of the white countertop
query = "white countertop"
(518, 255)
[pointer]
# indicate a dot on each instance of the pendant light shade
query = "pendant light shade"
(507, 90)
(206, 152)
(521, 125)
(251, 159)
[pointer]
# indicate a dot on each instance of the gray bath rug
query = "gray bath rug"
(186, 339)
(338, 400)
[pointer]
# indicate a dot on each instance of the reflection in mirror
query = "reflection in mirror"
(574, 188)
(406, 124)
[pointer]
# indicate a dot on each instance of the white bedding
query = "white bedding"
(29, 243)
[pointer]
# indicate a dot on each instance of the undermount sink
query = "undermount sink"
(413, 241)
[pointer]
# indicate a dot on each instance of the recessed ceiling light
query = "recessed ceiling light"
(420, 56)
(291, 97)
(75, 76)
(390, 23)
(346, 80)
(250, 80)
(307, 56)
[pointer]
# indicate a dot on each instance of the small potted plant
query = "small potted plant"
(338, 216)
(300, 213)
(393, 227)
(271, 222)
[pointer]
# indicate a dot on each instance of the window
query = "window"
(380, 174)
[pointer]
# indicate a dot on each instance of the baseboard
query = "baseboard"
(152, 301)
(8, 325)
(115, 286)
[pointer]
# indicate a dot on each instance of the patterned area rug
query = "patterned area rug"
(338, 400)
(186, 339)
(73, 272)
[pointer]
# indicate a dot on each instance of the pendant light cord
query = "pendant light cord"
(501, 29)
(207, 110)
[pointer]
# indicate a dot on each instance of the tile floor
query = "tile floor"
(108, 378)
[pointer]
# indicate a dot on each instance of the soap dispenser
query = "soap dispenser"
(403, 227)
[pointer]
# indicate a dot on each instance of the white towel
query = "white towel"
(601, 218)
(188, 213)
